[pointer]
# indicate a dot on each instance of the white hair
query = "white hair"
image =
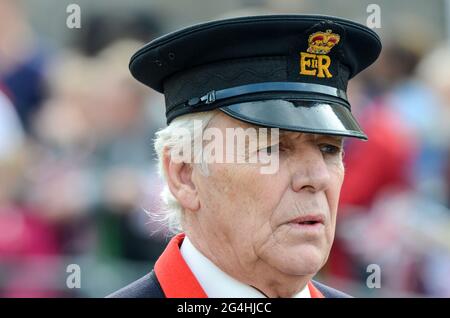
(166, 139)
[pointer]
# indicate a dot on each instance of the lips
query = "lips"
(309, 220)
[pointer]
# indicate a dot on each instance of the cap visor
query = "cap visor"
(326, 118)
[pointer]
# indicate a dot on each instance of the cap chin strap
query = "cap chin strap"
(214, 96)
(206, 101)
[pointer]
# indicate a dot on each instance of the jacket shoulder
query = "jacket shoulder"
(145, 287)
(329, 292)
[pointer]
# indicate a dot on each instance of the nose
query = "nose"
(309, 170)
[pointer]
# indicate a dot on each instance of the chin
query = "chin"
(301, 260)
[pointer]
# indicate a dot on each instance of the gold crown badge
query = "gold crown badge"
(322, 42)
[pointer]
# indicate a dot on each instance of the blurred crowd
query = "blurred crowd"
(76, 156)
(77, 175)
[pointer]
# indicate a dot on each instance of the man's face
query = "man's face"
(285, 220)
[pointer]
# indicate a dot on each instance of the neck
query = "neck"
(274, 283)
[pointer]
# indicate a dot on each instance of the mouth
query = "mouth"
(309, 220)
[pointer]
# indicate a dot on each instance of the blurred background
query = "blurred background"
(77, 175)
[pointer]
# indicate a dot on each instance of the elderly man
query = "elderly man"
(245, 231)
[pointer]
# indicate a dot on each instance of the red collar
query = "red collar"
(178, 281)
(174, 275)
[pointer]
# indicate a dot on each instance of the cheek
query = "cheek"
(334, 191)
(241, 198)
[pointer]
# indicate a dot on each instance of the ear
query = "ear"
(179, 180)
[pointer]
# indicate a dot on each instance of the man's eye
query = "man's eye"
(330, 149)
(269, 150)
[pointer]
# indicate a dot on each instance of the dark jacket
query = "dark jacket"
(149, 287)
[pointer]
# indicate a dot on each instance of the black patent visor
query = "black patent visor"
(318, 117)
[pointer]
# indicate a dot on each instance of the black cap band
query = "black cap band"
(295, 87)
(213, 96)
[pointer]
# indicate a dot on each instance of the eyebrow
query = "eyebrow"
(288, 132)
(285, 134)
(340, 139)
